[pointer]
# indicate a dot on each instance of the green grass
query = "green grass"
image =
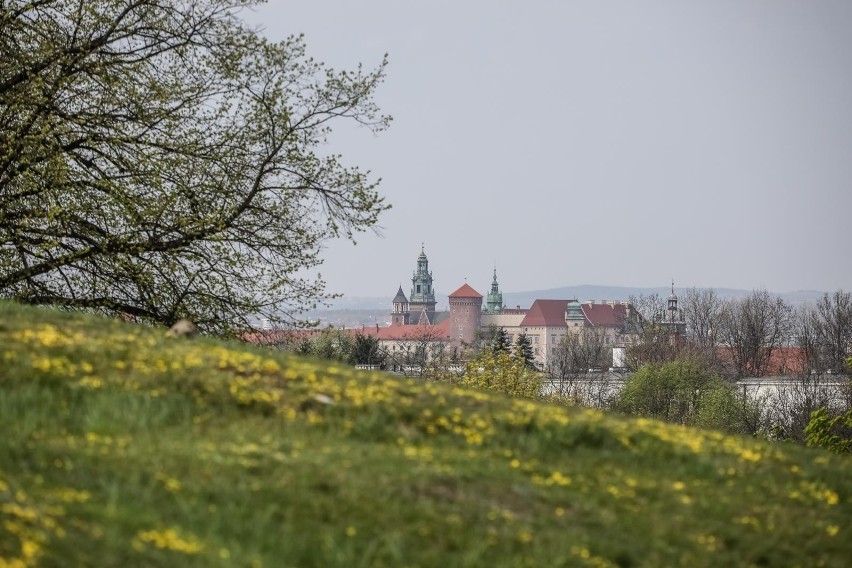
(121, 447)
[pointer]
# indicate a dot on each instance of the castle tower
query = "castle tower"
(494, 302)
(575, 319)
(422, 297)
(400, 314)
(672, 318)
(672, 304)
(465, 316)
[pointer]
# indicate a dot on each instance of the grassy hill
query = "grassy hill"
(122, 447)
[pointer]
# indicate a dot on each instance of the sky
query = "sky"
(620, 143)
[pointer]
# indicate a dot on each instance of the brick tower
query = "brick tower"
(465, 316)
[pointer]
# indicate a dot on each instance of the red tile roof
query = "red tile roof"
(546, 313)
(607, 315)
(551, 313)
(414, 332)
(465, 292)
(418, 332)
(788, 360)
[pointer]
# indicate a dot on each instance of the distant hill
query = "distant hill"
(355, 311)
(594, 292)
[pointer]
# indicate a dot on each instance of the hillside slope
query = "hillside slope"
(121, 447)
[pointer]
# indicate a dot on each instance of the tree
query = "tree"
(685, 392)
(366, 351)
(833, 326)
(523, 350)
(833, 433)
(499, 371)
(648, 307)
(584, 350)
(752, 329)
(654, 342)
(702, 310)
(161, 159)
(421, 352)
(567, 374)
(497, 340)
(792, 404)
(333, 344)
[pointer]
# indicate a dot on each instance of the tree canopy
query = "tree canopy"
(160, 158)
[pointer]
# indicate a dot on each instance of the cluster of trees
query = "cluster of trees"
(335, 345)
(754, 336)
(688, 374)
(160, 159)
(685, 392)
(748, 336)
(804, 409)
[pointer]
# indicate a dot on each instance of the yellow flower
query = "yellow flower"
(169, 540)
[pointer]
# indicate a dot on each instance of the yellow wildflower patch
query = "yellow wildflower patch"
(168, 539)
(48, 335)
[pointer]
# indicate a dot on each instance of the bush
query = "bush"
(500, 371)
(685, 392)
(833, 433)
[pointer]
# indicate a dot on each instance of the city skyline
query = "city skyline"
(602, 143)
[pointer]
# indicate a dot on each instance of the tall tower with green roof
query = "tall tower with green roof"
(422, 295)
(494, 300)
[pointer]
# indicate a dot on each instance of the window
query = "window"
(553, 337)
(511, 338)
(418, 288)
(535, 339)
(536, 350)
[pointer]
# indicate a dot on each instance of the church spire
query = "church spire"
(422, 293)
(494, 301)
(672, 303)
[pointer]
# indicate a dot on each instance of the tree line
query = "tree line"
(688, 374)
(753, 336)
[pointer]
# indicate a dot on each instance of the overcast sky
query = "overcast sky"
(600, 142)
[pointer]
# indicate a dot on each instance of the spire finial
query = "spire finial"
(422, 248)
(672, 285)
